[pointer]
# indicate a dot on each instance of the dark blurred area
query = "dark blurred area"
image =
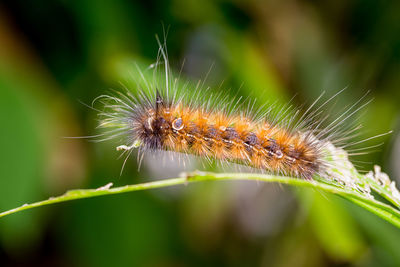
(56, 55)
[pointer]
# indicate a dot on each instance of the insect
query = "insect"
(162, 117)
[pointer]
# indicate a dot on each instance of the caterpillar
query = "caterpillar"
(159, 116)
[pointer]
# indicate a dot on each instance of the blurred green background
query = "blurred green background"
(56, 54)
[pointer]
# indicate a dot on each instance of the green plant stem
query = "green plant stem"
(383, 210)
(382, 191)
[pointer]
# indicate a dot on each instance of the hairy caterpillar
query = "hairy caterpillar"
(160, 117)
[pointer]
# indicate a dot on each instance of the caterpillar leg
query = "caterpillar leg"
(124, 147)
(135, 144)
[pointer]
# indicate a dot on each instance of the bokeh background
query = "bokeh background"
(56, 55)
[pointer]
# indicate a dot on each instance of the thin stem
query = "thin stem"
(383, 210)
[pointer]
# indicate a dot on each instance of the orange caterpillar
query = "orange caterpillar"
(157, 123)
(212, 128)
(195, 130)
